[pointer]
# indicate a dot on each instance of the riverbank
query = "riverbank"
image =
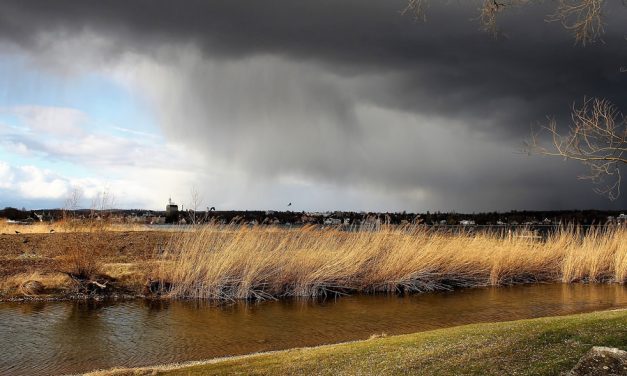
(229, 263)
(544, 346)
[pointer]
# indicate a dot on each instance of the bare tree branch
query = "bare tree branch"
(196, 201)
(72, 202)
(597, 137)
(489, 11)
(582, 17)
(418, 8)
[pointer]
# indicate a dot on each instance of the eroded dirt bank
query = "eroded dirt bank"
(120, 261)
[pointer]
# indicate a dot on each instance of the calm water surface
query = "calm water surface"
(69, 337)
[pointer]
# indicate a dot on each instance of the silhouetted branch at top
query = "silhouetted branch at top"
(597, 137)
(418, 8)
(584, 18)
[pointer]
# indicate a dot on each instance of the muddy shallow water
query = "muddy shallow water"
(68, 337)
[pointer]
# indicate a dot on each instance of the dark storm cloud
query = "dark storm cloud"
(447, 54)
(289, 87)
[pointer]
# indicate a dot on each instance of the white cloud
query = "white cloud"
(16, 147)
(6, 175)
(141, 170)
(32, 182)
(56, 121)
(135, 188)
(66, 134)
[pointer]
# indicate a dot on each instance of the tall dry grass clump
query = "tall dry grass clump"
(228, 263)
(80, 261)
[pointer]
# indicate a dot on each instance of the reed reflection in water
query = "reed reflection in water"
(67, 337)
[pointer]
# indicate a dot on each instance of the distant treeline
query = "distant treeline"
(582, 217)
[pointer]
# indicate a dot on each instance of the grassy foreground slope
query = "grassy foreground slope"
(545, 346)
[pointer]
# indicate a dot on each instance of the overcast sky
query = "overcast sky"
(339, 104)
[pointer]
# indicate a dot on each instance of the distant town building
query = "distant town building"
(332, 221)
(619, 220)
(171, 212)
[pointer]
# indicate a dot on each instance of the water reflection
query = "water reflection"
(65, 337)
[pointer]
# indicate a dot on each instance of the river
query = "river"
(38, 338)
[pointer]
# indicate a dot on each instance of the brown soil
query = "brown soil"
(129, 245)
(21, 254)
(13, 266)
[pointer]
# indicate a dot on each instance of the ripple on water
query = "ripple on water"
(65, 337)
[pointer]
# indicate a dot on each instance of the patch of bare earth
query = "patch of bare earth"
(82, 262)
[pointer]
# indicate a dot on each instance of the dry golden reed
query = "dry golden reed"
(71, 226)
(229, 263)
